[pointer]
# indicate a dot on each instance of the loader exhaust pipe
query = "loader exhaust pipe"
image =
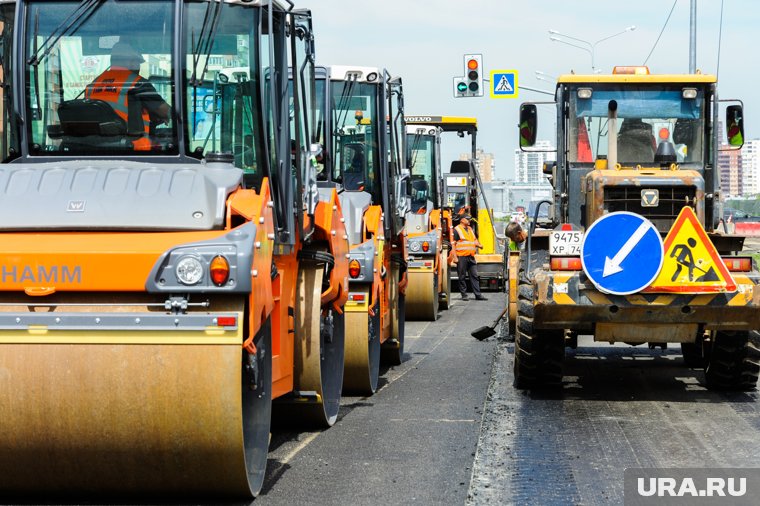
(612, 158)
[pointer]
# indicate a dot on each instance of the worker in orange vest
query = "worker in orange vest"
(131, 96)
(466, 245)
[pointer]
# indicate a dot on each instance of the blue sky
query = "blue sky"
(424, 41)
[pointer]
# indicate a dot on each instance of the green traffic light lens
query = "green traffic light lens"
(461, 87)
(474, 87)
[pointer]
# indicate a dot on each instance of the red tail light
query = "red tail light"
(425, 246)
(219, 270)
(738, 264)
(226, 321)
(354, 268)
(566, 264)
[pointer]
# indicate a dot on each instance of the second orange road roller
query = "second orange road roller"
(364, 126)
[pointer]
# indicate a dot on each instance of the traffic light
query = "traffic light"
(473, 75)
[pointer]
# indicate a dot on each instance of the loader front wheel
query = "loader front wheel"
(733, 363)
(538, 353)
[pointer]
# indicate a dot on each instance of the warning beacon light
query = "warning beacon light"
(473, 73)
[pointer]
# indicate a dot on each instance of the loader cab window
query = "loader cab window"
(99, 78)
(9, 146)
(647, 116)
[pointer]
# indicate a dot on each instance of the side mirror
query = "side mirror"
(735, 125)
(528, 125)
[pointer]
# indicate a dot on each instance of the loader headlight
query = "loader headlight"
(189, 270)
(414, 246)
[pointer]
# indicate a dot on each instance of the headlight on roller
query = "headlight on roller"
(189, 270)
(414, 246)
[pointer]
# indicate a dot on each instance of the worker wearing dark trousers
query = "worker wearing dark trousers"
(466, 244)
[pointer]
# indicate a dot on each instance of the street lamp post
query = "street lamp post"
(543, 76)
(589, 47)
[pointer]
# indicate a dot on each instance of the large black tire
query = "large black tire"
(538, 353)
(733, 363)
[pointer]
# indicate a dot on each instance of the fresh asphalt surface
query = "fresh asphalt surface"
(448, 427)
(414, 441)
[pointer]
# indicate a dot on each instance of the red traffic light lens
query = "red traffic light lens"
(472, 64)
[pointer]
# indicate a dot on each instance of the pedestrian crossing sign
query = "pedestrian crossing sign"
(504, 84)
(691, 263)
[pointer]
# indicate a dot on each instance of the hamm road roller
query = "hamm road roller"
(428, 225)
(167, 266)
(363, 126)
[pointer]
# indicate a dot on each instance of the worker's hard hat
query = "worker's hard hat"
(125, 52)
(466, 217)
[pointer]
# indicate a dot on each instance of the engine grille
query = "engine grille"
(671, 200)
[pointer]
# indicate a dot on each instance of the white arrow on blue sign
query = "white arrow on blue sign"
(622, 253)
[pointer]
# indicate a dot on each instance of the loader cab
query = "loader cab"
(661, 128)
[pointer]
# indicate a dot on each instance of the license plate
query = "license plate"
(565, 243)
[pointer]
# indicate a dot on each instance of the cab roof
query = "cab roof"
(447, 123)
(638, 78)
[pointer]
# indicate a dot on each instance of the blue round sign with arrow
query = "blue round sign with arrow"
(622, 253)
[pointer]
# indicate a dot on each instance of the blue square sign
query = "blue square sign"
(503, 84)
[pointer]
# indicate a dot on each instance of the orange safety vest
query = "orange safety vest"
(466, 245)
(113, 86)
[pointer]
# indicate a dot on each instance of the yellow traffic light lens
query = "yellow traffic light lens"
(472, 64)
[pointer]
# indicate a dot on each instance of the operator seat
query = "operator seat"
(89, 124)
(635, 142)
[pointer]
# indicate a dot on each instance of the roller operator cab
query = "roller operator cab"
(361, 113)
(428, 225)
(159, 234)
(635, 252)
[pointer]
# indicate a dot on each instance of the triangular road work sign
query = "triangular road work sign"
(691, 263)
(504, 85)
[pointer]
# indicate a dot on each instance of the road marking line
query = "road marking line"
(308, 439)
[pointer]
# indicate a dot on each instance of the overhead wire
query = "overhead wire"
(720, 37)
(661, 32)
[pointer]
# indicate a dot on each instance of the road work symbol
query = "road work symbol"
(692, 264)
(622, 253)
(504, 84)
